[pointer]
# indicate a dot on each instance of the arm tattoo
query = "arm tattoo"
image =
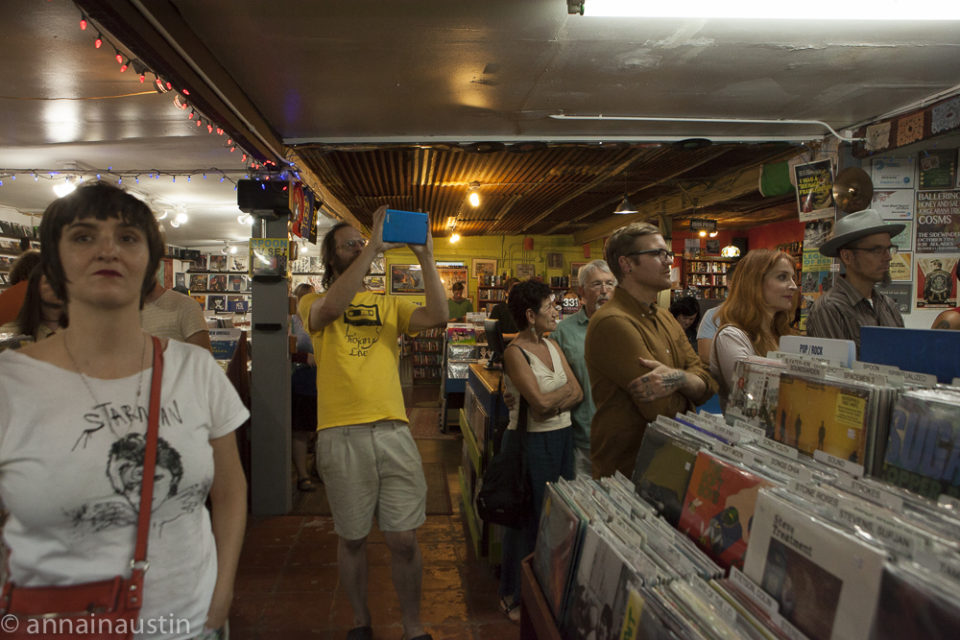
(943, 325)
(673, 380)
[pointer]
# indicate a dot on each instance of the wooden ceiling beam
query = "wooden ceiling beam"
(726, 187)
(600, 178)
(330, 202)
(676, 174)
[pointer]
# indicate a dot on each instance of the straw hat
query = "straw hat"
(854, 226)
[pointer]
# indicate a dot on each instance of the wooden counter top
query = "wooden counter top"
(489, 377)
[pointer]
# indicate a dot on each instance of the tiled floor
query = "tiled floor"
(287, 586)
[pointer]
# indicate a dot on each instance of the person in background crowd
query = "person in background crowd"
(11, 298)
(536, 370)
(596, 285)
(458, 307)
(501, 312)
(70, 521)
(708, 324)
(367, 458)
(687, 312)
(169, 314)
(758, 310)
(42, 313)
(640, 362)
(303, 391)
(862, 242)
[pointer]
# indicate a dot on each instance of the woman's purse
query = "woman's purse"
(505, 496)
(107, 609)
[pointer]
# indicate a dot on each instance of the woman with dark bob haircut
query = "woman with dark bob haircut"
(69, 522)
(536, 372)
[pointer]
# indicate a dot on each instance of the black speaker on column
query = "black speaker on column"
(268, 198)
(740, 243)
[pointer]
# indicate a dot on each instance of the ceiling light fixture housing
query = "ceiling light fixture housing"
(625, 207)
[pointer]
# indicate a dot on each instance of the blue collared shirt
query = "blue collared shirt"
(571, 334)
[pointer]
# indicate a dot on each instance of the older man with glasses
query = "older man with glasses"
(640, 362)
(596, 285)
(863, 243)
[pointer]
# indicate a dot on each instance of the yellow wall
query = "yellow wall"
(506, 250)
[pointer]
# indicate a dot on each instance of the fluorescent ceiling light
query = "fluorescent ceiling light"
(810, 10)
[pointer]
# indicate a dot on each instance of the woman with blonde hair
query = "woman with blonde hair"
(757, 311)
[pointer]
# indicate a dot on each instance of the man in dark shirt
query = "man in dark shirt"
(501, 312)
(862, 242)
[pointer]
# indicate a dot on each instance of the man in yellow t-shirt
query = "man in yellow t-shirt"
(366, 456)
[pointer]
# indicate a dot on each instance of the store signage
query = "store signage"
(702, 224)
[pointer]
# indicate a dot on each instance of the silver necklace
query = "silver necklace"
(86, 383)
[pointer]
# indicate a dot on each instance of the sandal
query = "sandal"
(510, 609)
(305, 484)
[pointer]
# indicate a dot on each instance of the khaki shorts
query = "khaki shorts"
(369, 470)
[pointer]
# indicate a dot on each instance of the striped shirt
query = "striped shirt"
(840, 312)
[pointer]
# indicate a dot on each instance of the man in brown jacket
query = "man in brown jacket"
(640, 362)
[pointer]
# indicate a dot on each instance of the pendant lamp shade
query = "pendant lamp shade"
(625, 207)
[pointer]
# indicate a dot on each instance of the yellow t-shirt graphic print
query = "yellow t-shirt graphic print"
(358, 377)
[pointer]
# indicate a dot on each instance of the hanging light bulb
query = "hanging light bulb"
(703, 234)
(233, 249)
(474, 196)
(713, 234)
(64, 188)
(454, 237)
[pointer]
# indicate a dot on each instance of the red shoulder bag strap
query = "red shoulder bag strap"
(139, 563)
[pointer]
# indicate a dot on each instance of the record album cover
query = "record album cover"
(825, 415)
(718, 508)
(662, 472)
(923, 444)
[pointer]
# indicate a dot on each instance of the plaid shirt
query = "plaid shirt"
(840, 312)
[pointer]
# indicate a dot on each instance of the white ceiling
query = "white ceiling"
(368, 71)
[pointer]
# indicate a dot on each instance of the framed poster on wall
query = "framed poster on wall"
(524, 271)
(484, 268)
(451, 274)
(406, 279)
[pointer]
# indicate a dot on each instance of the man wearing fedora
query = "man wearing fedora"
(862, 242)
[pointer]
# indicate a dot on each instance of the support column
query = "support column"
(270, 486)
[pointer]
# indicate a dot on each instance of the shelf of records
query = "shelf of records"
(465, 344)
(483, 408)
(9, 252)
(426, 353)
(748, 530)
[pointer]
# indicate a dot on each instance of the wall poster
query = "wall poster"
(936, 282)
(938, 221)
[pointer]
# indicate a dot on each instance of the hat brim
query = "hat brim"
(831, 247)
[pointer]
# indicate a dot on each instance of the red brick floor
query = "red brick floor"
(287, 586)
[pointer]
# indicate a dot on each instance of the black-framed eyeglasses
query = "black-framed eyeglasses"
(877, 251)
(662, 254)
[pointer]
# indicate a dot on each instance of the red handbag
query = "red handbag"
(107, 609)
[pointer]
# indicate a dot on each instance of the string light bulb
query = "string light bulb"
(83, 23)
(98, 42)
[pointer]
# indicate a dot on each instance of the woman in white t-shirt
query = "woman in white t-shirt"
(73, 414)
(757, 311)
(536, 370)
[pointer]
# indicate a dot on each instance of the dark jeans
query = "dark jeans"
(549, 457)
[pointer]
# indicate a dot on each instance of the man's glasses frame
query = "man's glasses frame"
(877, 251)
(662, 254)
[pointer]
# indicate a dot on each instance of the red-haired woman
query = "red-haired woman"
(758, 310)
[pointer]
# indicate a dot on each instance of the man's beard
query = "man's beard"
(339, 266)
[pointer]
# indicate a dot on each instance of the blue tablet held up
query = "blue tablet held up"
(408, 227)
